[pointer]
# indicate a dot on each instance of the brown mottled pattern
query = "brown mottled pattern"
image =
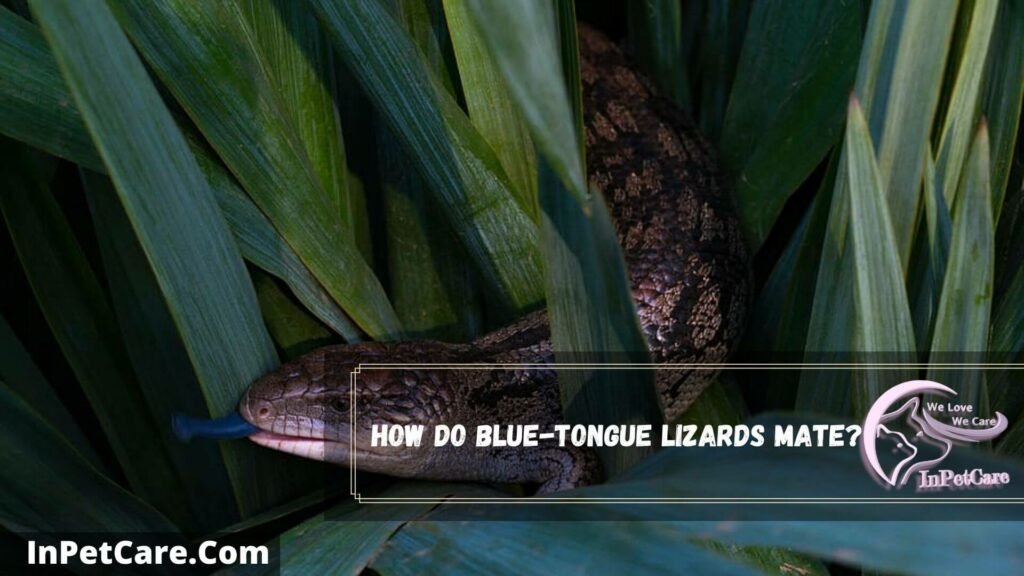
(688, 268)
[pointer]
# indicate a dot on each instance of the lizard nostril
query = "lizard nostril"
(264, 412)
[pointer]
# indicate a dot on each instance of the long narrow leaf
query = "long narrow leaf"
(786, 107)
(962, 323)
(72, 301)
(34, 105)
(589, 300)
(523, 42)
(175, 217)
(884, 321)
(294, 331)
(49, 487)
(490, 107)
(245, 104)
(159, 359)
(456, 162)
(965, 101)
(19, 372)
(656, 38)
(433, 291)
(31, 90)
(1005, 89)
(928, 268)
(907, 78)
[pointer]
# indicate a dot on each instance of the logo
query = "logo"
(894, 456)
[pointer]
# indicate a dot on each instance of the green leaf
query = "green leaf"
(568, 41)
(50, 487)
(347, 537)
(431, 288)
(548, 547)
(1005, 89)
(75, 307)
(905, 48)
(655, 33)
(717, 53)
(965, 101)
(460, 168)
(1007, 345)
(261, 244)
(433, 291)
(962, 323)
(177, 222)
(883, 319)
(261, 108)
(783, 310)
(832, 321)
(786, 107)
(589, 300)
(35, 107)
(490, 108)
(593, 318)
(928, 269)
(160, 361)
(294, 331)
(19, 372)
(523, 41)
(32, 89)
(769, 560)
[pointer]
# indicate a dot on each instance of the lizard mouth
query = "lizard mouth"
(314, 448)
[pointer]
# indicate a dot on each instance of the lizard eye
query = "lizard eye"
(339, 403)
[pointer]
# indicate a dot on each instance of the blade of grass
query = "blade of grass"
(831, 330)
(912, 44)
(455, 161)
(50, 487)
(160, 361)
(1007, 345)
(294, 331)
(490, 108)
(262, 245)
(19, 372)
(588, 295)
(75, 307)
(883, 321)
(769, 560)
(786, 107)
(245, 104)
(965, 101)
(568, 42)
(32, 84)
(523, 42)
(962, 322)
(718, 51)
(592, 317)
(655, 35)
(929, 269)
(431, 287)
(1005, 89)
(301, 68)
(831, 325)
(34, 105)
(177, 222)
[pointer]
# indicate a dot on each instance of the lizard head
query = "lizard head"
(307, 407)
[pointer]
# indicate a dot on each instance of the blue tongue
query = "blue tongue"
(227, 428)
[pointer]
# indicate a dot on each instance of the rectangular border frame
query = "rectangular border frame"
(354, 491)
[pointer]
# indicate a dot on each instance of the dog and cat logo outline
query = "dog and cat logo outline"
(929, 430)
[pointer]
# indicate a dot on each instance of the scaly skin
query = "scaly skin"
(689, 272)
